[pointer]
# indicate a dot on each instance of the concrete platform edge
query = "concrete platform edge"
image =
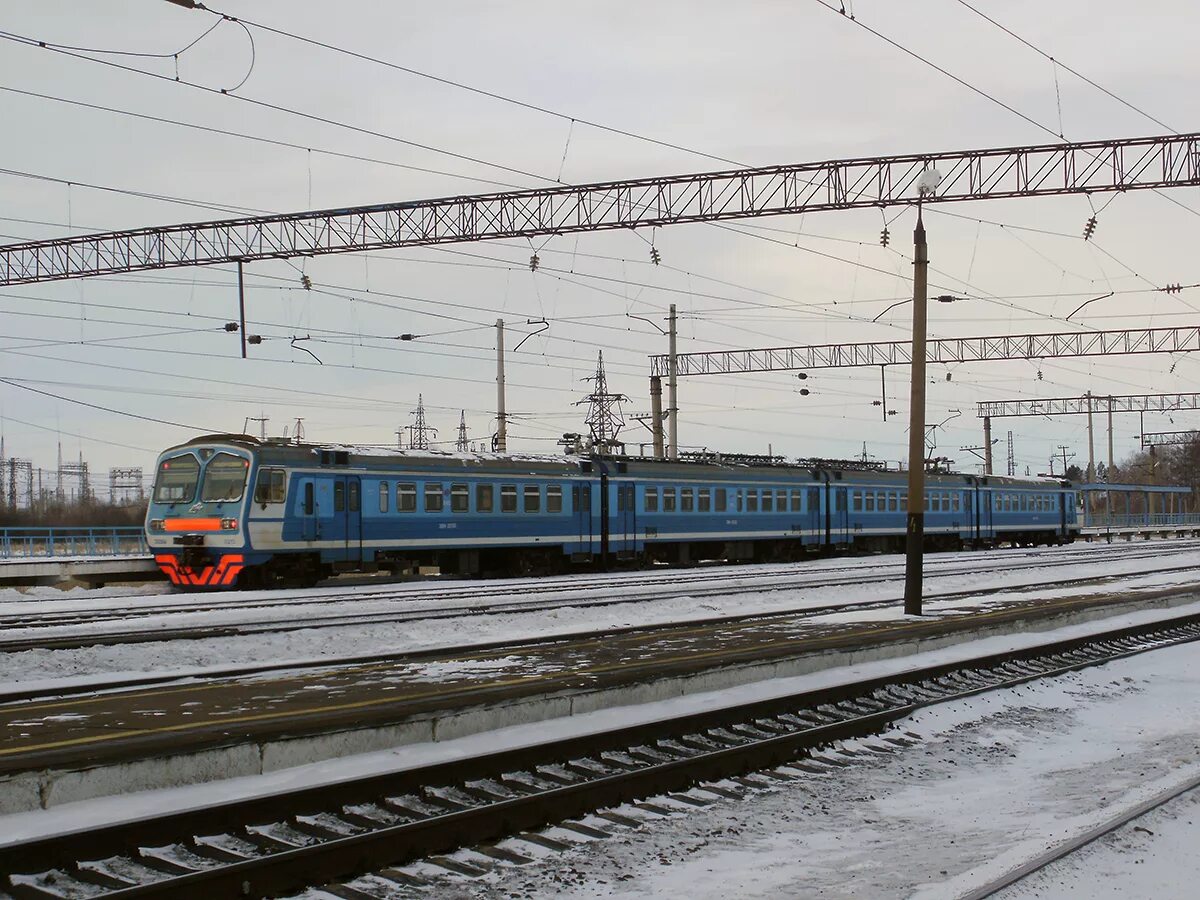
(48, 788)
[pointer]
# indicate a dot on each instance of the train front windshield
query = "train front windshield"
(224, 479)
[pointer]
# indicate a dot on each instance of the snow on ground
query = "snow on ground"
(1152, 856)
(680, 601)
(995, 780)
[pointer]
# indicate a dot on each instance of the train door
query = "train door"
(624, 536)
(839, 516)
(310, 528)
(972, 526)
(986, 503)
(347, 514)
(581, 504)
(815, 533)
(1063, 499)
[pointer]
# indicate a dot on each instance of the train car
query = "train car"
(230, 510)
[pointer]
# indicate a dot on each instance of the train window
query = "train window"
(768, 501)
(224, 478)
(893, 502)
(533, 498)
(460, 498)
(904, 503)
(737, 499)
(355, 500)
(704, 500)
(839, 500)
(814, 500)
(668, 498)
(797, 501)
(308, 498)
(406, 498)
(383, 496)
(271, 486)
(956, 500)
(858, 503)
(870, 502)
(483, 498)
(508, 498)
(434, 501)
(928, 507)
(722, 500)
(751, 501)
(687, 500)
(339, 496)
(177, 477)
(781, 500)
(651, 502)
(554, 499)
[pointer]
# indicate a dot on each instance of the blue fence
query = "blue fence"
(1141, 520)
(40, 543)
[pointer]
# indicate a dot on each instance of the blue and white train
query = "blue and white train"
(229, 510)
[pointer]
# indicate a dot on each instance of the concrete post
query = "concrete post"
(673, 386)
(914, 557)
(501, 414)
(987, 445)
(656, 414)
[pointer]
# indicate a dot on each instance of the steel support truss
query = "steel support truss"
(1161, 438)
(1029, 171)
(1100, 403)
(940, 350)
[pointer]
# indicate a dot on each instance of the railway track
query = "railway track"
(327, 835)
(756, 583)
(947, 564)
(19, 694)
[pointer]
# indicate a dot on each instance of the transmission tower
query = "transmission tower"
(125, 485)
(462, 445)
(420, 434)
(604, 419)
(1012, 459)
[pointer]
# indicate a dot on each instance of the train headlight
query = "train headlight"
(157, 524)
(229, 524)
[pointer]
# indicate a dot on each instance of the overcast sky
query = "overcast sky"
(757, 83)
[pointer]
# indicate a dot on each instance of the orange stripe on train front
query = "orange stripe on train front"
(192, 524)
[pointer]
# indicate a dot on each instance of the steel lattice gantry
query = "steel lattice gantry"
(1070, 406)
(940, 350)
(1161, 438)
(1029, 171)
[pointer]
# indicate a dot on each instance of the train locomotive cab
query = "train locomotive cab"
(195, 521)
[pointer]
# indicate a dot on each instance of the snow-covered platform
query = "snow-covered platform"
(95, 571)
(61, 750)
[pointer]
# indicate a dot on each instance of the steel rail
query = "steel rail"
(289, 841)
(1066, 848)
(777, 585)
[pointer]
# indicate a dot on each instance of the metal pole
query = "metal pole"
(883, 391)
(1109, 478)
(916, 430)
(987, 445)
(656, 415)
(1091, 472)
(242, 308)
(501, 415)
(673, 388)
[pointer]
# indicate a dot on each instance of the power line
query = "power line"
(276, 142)
(471, 88)
(263, 104)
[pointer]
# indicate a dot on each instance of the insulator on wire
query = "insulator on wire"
(305, 282)
(1173, 288)
(534, 262)
(231, 326)
(1089, 228)
(885, 236)
(254, 339)
(655, 256)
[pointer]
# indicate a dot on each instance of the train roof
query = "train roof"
(760, 466)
